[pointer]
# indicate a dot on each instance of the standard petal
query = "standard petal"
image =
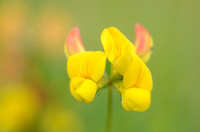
(137, 75)
(115, 43)
(117, 46)
(136, 99)
(83, 89)
(74, 64)
(73, 43)
(143, 43)
(96, 65)
(87, 65)
(123, 61)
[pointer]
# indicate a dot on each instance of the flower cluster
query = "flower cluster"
(129, 74)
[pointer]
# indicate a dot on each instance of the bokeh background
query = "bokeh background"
(34, 86)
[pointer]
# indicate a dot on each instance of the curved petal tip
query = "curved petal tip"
(73, 43)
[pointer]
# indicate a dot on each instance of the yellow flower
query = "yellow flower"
(85, 70)
(137, 80)
(117, 48)
(137, 86)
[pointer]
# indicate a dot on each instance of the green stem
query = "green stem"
(110, 82)
(109, 116)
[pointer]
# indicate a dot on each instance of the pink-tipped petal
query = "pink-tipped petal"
(73, 43)
(143, 42)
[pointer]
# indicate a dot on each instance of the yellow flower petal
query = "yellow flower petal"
(117, 46)
(123, 61)
(89, 65)
(136, 99)
(87, 91)
(143, 43)
(96, 65)
(83, 89)
(75, 83)
(137, 75)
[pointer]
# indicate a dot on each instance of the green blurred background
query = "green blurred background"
(34, 86)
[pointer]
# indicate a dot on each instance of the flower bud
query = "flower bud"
(73, 43)
(143, 43)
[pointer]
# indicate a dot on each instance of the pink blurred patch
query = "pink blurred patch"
(73, 42)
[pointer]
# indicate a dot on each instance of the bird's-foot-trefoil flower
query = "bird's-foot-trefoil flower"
(129, 73)
(84, 68)
(85, 71)
(137, 81)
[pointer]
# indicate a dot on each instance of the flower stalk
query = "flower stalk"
(109, 112)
